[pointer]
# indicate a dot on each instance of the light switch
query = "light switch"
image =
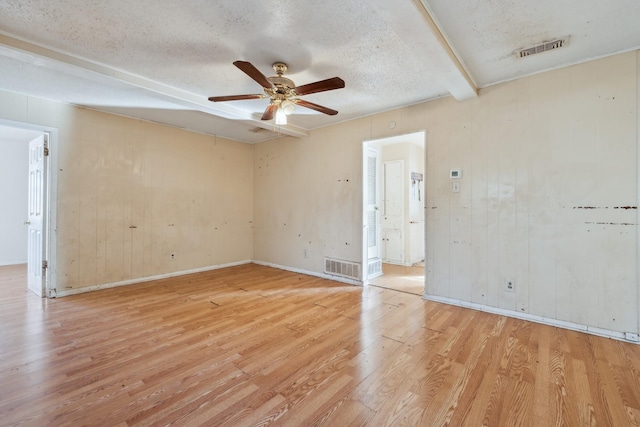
(455, 187)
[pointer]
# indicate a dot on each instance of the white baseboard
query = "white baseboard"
(373, 276)
(7, 263)
(310, 273)
(533, 318)
(404, 264)
(67, 292)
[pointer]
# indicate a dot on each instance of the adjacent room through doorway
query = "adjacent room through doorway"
(393, 214)
(25, 195)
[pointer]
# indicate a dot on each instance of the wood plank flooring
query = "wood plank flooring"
(251, 345)
(401, 278)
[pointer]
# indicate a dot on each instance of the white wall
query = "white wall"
(132, 193)
(305, 193)
(14, 171)
(534, 154)
(547, 164)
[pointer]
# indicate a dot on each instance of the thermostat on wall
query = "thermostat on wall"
(455, 173)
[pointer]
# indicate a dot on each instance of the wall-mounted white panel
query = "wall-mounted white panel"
(14, 172)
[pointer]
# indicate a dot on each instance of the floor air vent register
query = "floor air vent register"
(342, 268)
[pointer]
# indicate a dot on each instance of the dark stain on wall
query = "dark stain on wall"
(611, 223)
(605, 207)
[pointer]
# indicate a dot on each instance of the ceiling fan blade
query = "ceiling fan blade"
(235, 97)
(269, 112)
(321, 86)
(316, 107)
(254, 73)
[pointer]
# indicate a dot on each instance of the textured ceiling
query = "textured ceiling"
(161, 60)
(485, 34)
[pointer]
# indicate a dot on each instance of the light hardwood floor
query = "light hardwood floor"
(251, 345)
(401, 278)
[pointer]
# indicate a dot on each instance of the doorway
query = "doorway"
(394, 215)
(29, 203)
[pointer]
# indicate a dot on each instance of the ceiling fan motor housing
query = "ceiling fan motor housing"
(283, 88)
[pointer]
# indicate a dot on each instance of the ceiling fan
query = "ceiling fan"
(282, 92)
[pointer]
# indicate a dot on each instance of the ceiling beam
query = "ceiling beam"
(460, 84)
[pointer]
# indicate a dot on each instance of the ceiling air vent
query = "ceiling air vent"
(544, 47)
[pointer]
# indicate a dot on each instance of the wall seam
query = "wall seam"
(637, 191)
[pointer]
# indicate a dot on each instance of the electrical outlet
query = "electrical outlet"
(304, 252)
(631, 336)
(509, 285)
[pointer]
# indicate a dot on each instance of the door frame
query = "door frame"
(51, 191)
(373, 143)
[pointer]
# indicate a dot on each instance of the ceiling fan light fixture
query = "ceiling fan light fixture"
(281, 117)
(287, 106)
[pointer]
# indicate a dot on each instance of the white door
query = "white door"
(392, 246)
(372, 207)
(37, 207)
(393, 217)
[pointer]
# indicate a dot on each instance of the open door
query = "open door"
(36, 245)
(372, 237)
